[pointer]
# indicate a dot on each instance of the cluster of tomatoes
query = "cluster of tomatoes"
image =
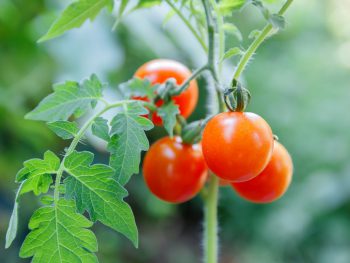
(238, 147)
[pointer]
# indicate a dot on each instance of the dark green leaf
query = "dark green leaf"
(128, 140)
(59, 234)
(94, 190)
(64, 129)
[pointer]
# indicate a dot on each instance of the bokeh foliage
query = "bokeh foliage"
(299, 81)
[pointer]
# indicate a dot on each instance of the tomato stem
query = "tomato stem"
(256, 43)
(211, 221)
(78, 137)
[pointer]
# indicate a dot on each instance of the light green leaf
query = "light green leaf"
(64, 129)
(100, 128)
(233, 30)
(37, 173)
(168, 114)
(94, 190)
(137, 87)
(75, 15)
(58, 235)
(13, 224)
(228, 6)
(235, 51)
(147, 3)
(128, 140)
(68, 98)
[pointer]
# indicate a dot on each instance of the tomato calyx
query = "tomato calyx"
(236, 98)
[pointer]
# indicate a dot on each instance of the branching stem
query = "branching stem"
(256, 43)
(78, 137)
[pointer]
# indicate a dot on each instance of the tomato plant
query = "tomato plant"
(175, 172)
(237, 146)
(159, 71)
(272, 182)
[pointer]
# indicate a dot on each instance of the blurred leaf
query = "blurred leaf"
(128, 139)
(235, 51)
(277, 21)
(228, 6)
(13, 224)
(59, 233)
(47, 200)
(95, 191)
(67, 99)
(37, 173)
(75, 15)
(168, 114)
(233, 30)
(137, 87)
(64, 129)
(100, 128)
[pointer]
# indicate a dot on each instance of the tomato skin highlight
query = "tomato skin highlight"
(237, 145)
(158, 71)
(272, 182)
(173, 171)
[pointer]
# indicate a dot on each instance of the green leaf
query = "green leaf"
(47, 200)
(37, 173)
(64, 129)
(233, 30)
(68, 98)
(228, 6)
(128, 140)
(168, 114)
(137, 87)
(235, 51)
(147, 3)
(75, 15)
(100, 128)
(13, 224)
(59, 234)
(94, 190)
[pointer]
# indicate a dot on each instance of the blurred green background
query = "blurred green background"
(299, 80)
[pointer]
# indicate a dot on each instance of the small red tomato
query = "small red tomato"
(158, 71)
(175, 172)
(237, 145)
(271, 183)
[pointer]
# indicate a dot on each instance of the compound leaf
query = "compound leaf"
(94, 190)
(59, 234)
(128, 139)
(37, 173)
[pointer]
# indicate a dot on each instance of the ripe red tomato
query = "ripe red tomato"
(175, 172)
(158, 71)
(237, 145)
(272, 182)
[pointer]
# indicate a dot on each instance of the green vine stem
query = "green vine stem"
(211, 221)
(188, 24)
(256, 43)
(78, 137)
